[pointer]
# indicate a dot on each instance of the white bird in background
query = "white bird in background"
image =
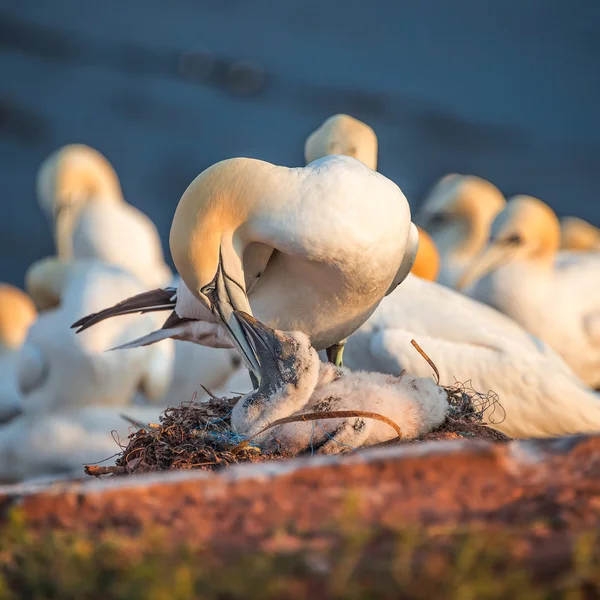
(470, 342)
(58, 369)
(555, 299)
(578, 235)
(80, 191)
(294, 381)
(458, 214)
(175, 370)
(342, 134)
(312, 249)
(61, 442)
(17, 313)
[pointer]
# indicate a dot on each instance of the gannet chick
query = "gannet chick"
(579, 235)
(79, 190)
(427, 262)
(312, 249)
(17, 313)
(342, 134)
(294, 381)
(555, 299)
(458, 214)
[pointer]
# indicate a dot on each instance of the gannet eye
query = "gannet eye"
(438, 219)
(513, 239)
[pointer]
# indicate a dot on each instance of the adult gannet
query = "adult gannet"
(556, 298)
(470, 341)
(579, 235)
(78, 188)
(175, 370)
(458, 214)
(60, 443)
(342, 134)
(17, 313)
(312, 249)
(294, 381)
(58, 369)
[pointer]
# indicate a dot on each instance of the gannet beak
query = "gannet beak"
(64, 217)
(226, 297)
(268, 349)
(262, 338)
(491, 258)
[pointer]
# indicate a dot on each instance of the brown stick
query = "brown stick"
(333, 414)
(424, 355)
(96, 471)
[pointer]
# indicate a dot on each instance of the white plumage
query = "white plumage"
(554, 296)
(296, 382)
(80, 191)
(314, 248)
(60, 443)
(469, 341)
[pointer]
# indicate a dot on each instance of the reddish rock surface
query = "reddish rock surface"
(430, 484)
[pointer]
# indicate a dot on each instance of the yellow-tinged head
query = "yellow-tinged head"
(527, 229)
(207, 241)
(68, 179)
(427, 262)
(45, 281)
(579, 235)
(463, 203)
(75, 174)
(342, 134)
(17, 313)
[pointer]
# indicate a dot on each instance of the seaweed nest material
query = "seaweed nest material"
(199, 435)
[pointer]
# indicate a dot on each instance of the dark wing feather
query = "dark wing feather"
(152, 301)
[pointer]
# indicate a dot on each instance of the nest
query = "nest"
(199, 435)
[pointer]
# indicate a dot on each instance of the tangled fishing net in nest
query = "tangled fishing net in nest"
(199, 435)
(467, 409)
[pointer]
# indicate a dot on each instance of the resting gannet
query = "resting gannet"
(174, 370)
(556, 298)
(468, 341)
(294, 381)
(342, 134)
(457, 214)
(60, 443)
(17, 313)
(313, 249)
(579, 235)
(80, 191)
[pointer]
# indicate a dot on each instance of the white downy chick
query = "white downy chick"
(295, 382)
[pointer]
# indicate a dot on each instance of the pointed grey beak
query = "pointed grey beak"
(225, 299)
(262, 338)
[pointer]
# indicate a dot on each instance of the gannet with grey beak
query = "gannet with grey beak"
(554, 296)
(457, 214)
(79, 190)
(294, 381)
(312, 249)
